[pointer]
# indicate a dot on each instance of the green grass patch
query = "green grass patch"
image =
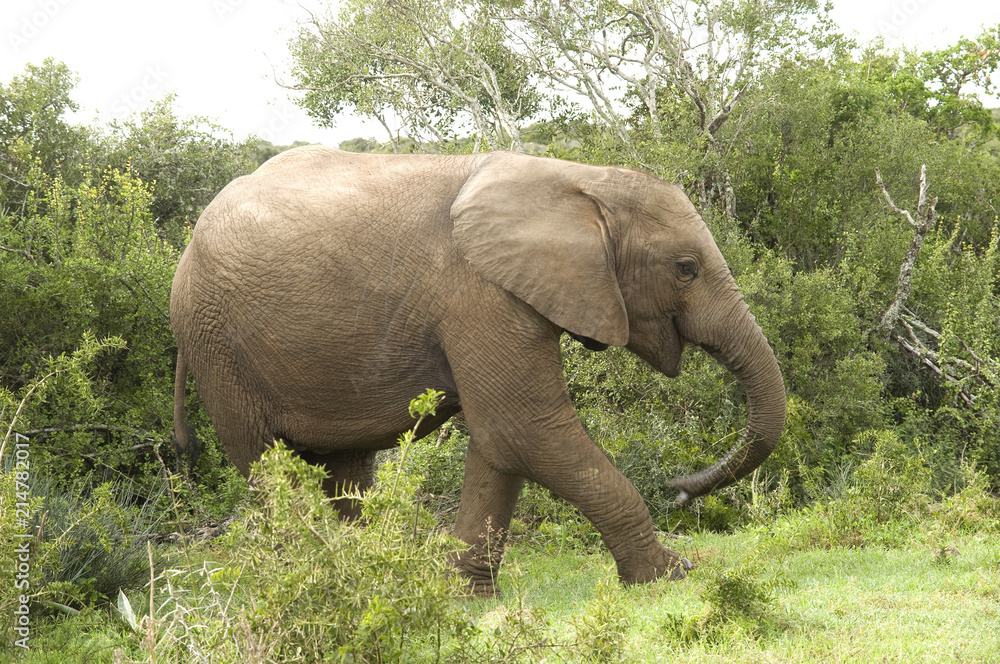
(906, 604)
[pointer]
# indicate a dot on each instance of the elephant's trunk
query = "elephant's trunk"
(748, 355)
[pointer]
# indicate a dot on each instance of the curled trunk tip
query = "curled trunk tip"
(738, 462)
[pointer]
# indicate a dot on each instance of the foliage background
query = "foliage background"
(780, 155)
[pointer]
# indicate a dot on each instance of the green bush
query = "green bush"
(90, 262)
(308, 586)
(736, 602)
(376, 592)
(440, 460)
(893, 482)
(737, 595)
(84, 544)
(91, 222)
(602, 629)
(971, 510)
(881, 502)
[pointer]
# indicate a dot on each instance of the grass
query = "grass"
(838, 605)
(904, 604)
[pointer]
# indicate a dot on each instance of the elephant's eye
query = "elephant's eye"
(687, 270)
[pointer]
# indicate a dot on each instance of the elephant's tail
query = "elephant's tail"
(180, 386)
(184, 436)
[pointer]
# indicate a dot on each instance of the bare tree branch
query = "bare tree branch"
(924, 355)
(965, 376)
(926, 216)
(22, 252)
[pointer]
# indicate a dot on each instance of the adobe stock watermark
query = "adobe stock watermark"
(899, 14)
(280, 118)
(23, 539)
(150, 82)
(34, 22)
(224, 8)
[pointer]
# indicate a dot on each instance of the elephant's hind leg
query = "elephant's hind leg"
(348, 472)
(241, 416)
(488, 499)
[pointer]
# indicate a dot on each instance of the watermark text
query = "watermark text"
(22, 552)
(899, 14)
(34, 22)
(151, 81)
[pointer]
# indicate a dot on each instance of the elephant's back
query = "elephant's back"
(324, 263)
(312, 187)
(314, 204)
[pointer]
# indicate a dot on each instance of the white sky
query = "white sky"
(220, 56)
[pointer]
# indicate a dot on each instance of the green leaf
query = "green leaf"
(125, 609)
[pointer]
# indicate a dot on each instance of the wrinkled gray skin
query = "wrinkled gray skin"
(324, 291)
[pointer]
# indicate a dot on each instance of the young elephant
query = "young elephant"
(324, 291)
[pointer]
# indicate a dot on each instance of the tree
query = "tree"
(709, 51)
(434, 67)
(937, 86)
(33, 128)
(950, 72)
(633, 67)
(190, 159)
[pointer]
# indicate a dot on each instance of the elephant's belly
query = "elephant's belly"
(340, 403)
(356, 426)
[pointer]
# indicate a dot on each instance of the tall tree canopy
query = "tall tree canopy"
(439, 69)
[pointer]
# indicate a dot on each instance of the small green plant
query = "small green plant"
(738, 601)
(89, 545)
(971, 510)
(894, 481)
(738, 595)
(602, 629)
(94, 541)
(512, 632)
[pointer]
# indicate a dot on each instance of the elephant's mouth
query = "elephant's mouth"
(588, 343)
(670, 364)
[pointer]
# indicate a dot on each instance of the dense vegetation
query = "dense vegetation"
(893, 435)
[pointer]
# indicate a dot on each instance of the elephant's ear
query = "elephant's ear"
(526, 225)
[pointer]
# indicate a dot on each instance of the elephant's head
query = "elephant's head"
(622, 258)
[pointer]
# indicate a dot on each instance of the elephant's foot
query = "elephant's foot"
(475, 567)
(663, 562)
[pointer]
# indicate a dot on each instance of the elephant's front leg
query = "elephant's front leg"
(488, 498)
(569, 464)
(564, 460)
(524, 425)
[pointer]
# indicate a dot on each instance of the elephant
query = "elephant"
(319, 294)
